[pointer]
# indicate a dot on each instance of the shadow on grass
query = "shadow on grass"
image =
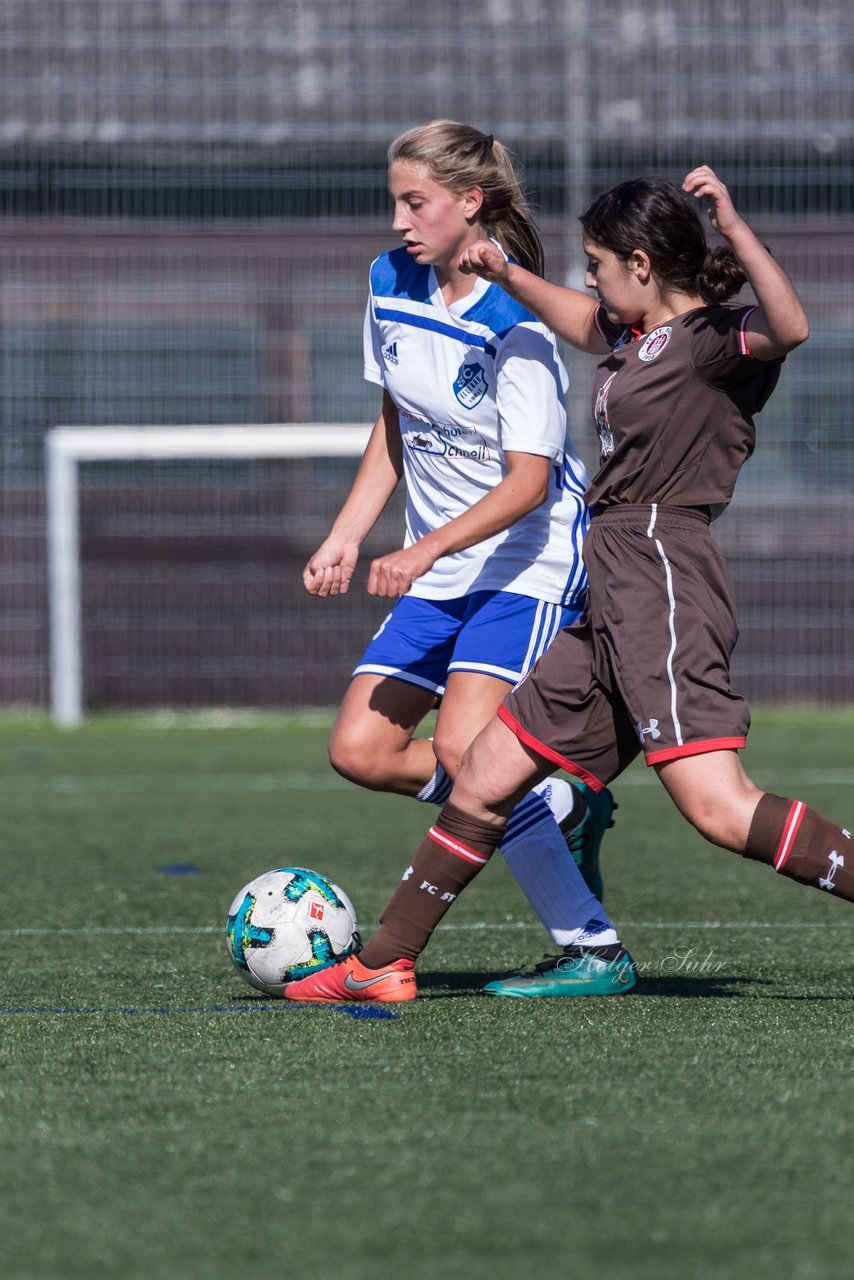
(690, 986)
(451, 984)
(684, 986)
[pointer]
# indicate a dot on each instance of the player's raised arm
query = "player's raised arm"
(568, 312)
(779, 324)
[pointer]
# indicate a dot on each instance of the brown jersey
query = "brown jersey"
(674, 410)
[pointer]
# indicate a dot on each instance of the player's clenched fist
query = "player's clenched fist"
(330, 569)
(392, 575)
(485, 259)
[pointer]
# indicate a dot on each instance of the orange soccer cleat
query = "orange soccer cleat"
(349, 979)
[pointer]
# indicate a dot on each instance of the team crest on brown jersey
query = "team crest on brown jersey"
(654, 343)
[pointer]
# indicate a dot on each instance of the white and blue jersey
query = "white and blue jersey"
(473, 381)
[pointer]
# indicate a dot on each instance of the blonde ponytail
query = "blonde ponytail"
(460, 157)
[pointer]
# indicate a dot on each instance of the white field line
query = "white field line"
(208, 782)
(471, 926)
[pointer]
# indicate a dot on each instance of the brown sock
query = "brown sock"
(800, 843)
(449, 856)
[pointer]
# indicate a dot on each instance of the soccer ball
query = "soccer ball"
(286, 924)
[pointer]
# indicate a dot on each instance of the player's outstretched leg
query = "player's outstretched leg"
(786, 834)
(556, 815)
(443, 865)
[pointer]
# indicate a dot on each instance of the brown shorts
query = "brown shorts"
(647, 668)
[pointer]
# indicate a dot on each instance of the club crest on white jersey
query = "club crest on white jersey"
(470, 384)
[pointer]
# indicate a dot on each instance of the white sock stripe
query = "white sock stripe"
(443, 789)
(453, 846)
(437, 790)
(793, 822)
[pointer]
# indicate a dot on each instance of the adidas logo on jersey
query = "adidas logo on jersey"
(390, 353)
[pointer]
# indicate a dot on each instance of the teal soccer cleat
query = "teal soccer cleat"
(585, 838)
(574, 973)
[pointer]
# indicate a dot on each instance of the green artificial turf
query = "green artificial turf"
(160, 1119)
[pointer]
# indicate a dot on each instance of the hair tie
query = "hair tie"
(488, 141)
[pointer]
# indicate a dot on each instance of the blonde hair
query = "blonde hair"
(460, 157)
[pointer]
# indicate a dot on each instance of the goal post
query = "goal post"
(67, 447)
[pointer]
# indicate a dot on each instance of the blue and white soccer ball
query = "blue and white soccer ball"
(289, 923)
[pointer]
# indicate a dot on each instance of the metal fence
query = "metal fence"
(191, 195)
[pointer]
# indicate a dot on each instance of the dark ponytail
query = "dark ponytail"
(720, 276)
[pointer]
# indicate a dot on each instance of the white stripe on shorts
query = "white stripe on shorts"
(671, 622)
(546, 627)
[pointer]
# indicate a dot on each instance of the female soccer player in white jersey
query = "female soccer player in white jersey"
(473, 420)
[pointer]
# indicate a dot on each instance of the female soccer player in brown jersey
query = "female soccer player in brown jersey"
(647, 669)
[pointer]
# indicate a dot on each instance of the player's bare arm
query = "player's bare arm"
(779, 324)
(330, 570)
(568, 312)
(525, 487)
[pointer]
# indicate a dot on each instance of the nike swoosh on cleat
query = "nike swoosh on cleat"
(355, 984)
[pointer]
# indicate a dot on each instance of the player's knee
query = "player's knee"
(716, 821)
(496, 772)
(369, 761)
(349, 757)
(448, 751)
(467, 792)
(474, 789)
(345, 763)
(705, 822)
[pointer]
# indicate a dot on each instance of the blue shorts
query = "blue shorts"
(489, 633)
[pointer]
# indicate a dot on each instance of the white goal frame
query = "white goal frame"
(67, 447)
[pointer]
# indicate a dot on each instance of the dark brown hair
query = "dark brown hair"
(653, 215)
